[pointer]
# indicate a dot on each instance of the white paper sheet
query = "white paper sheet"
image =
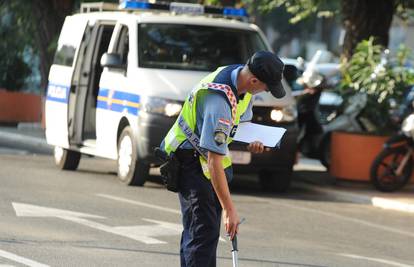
(248, 132)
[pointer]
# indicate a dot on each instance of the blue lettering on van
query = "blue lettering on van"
(118, 101)
(57, 93)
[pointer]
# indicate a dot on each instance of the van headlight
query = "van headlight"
(284, 114)
(162, 106)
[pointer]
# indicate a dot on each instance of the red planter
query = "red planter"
(352, 155)
(20, 107)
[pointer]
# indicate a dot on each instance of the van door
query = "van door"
(60, 81)
(115, 96)
(83, 96)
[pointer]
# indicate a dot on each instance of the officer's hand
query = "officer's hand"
(231, 222)
(256, 147)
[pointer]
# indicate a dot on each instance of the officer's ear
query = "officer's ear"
(254, 80)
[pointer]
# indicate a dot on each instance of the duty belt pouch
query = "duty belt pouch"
(170, 172)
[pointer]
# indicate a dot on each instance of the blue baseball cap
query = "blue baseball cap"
(268, 68)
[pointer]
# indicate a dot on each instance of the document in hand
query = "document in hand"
(248, 132)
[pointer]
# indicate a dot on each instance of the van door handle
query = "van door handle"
(72, 88)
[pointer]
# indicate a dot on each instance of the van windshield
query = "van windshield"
(194, 47)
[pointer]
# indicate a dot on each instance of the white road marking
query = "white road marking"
(27, 210)
(145, 232)
(147, 205)
(19, 259)
(138, 203)
(141, 233)
(392, 263)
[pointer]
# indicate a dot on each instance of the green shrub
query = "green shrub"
(383, 78)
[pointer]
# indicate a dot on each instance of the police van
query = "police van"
(120, 77)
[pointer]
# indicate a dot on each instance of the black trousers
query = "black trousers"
(201, 215)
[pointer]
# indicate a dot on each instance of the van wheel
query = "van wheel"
(277, 181)
(130, 170)
(66, 159)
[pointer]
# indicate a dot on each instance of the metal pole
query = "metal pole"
(234, 252)
(234, 248)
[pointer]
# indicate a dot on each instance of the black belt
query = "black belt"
(186, 154)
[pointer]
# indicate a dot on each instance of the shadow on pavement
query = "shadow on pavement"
(241, 259)
(249, 185)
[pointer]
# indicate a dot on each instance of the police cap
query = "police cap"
(268, 68)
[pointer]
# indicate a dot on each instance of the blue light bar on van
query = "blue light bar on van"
(180, 8)
(134, 5)
(234, 12)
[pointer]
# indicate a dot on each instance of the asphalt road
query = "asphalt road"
(87, 218)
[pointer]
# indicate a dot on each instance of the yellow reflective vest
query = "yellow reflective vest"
(183, 129)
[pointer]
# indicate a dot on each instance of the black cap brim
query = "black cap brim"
(276, 89)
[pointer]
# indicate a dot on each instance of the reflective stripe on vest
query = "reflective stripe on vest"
(192, 137)
(185, 125)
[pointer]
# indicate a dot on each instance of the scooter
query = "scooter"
(393, 166)
(315, 138)
(350, 119)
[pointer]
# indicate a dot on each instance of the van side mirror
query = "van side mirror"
(290, 72)
(300, 62)
(112, 60)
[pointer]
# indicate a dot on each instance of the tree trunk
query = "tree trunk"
(228, 2)
(364, 18)
(220, 2)
(49, 15)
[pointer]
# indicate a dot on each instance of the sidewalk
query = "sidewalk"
(309, 174)
(313, 177)
(26, 136)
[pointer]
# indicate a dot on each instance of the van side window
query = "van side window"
(122, 47)
(69, 40)
(64, 55)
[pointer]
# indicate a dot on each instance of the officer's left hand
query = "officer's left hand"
(256, 147)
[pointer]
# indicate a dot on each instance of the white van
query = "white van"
(119, 80)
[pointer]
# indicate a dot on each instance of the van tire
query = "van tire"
(66, 159)
(275, 181)
(130, 170)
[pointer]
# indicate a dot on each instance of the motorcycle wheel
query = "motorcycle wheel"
(383, 169)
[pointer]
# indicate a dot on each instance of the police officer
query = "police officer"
(199, 140)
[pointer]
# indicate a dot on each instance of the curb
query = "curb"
(392, 204)
(21, 141)
(29, 126)
(379, 202)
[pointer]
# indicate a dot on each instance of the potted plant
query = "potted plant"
(383, 79)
